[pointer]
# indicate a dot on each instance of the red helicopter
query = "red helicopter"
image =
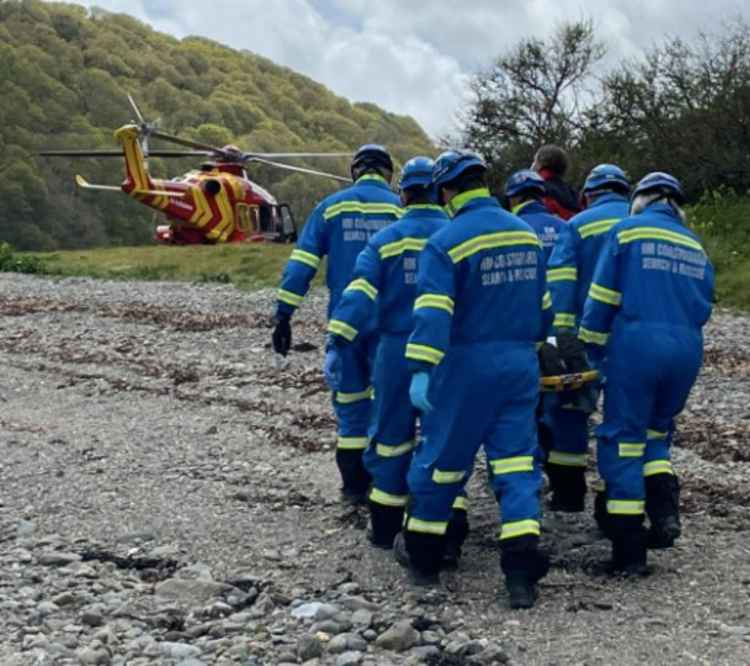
(217, 203)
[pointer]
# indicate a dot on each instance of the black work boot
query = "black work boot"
(386, 523)
(628, 546)
(421, 554)
(663, 509)
(356, 479)
(600, 512)
(568, 485)
(523, 565)
(458, 530)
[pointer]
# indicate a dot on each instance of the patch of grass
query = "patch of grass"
(13, 262)
(248, 266)
(722, 220)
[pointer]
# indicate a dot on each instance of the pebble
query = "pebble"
(58, 559)
(399, 637)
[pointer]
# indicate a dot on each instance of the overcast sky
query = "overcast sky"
(416, 56)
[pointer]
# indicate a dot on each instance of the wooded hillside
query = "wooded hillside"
(64, 76)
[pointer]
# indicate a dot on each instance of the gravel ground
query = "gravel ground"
(169, 496)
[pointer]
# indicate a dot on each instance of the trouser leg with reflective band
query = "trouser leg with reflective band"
(474, 402)
(649, 376)
(353, 407)
(392, 439)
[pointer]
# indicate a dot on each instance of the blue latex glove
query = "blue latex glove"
(332, 368)
(420, 386)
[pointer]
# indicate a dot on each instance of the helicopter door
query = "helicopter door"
(287, 226)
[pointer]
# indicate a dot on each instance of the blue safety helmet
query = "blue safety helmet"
(606, 177)
(524, 181)
(452, 163)
(658, 181)
(417, 172)
(371, 156)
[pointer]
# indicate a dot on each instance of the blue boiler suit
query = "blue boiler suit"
(546, 225)
(482, 306)
(340, 227)
(570, 270)
(649, 299)
(385, 280)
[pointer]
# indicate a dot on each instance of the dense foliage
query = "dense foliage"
(64, 75)
(684, 107)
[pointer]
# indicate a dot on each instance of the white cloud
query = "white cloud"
(415, 57)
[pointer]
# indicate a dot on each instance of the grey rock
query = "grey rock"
(329, 627)
(92, 618)
(315, 610)
(431, 638)
(47, 608)
(24, 529)
(399, 638)
(95, 657)
(355, 603)
(346, 642)
(190, 591)
(309, 647)
(350, 658)
(55, 558)
(492, 654)
(65, 598)
(424, 653)
(370, 635)
(362, 618)
(178, 650)
(191, 661)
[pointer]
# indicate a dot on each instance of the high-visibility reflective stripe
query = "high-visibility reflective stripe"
(290, 298)
(308, 258)
(596, 228)
(360, 284)
(608, 296)
(567, 459)
(517, 209)
(426, 526)
(519, 528)
(631, 449)
(654, 233)
(565, 320)
(424, 353)
(461, 503)
(446, 476)
(386, 499)
(399, 247)
(372, 176)
(390, 451)
(491, 241)
(657, 467)
(656, 434)
(547, 301)
(626, 507)
(510, 465)
(435, 301)
(343, 329)
(348, 398)
(362, 208)
(461, 200)
(559, 274)
(424, 207)
(593, 337)
(352, 443)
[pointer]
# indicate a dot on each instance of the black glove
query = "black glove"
(282, 334)
(550, 364)
(572, 352)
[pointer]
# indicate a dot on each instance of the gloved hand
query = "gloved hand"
(550, 364)
(332, 368)
(572, 352)
(282, 334)
(418, 390)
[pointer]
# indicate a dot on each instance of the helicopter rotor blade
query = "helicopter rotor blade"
(289, 167)
(137, 111)
(119, 153)
(291, 155)
(197, 145)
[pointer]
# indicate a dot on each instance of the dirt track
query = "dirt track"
(148, 420)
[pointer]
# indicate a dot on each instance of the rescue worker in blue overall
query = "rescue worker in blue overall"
(570, 269)
(340, 227)
(524, 191)
(482, 306)
(648, 302)
(385, 280)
